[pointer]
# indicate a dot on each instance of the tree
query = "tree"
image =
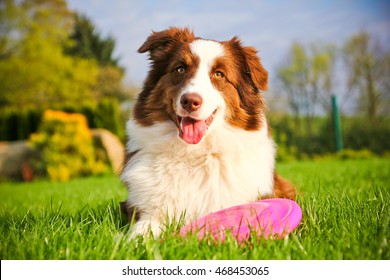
(34, 71)
(294, 77)
(384, 85)
(322, 79)
(87, 42)
(368, 73)
(9, 15)
(308, 81)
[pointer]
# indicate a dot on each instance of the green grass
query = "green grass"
(345, 204)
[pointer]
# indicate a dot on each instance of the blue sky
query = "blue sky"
(270, 26)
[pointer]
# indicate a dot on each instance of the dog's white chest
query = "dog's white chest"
(228, 167)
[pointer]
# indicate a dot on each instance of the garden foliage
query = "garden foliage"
(64, 147)
(359, 134)
(18, 124)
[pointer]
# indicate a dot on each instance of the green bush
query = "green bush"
(354, 154)
(360, 134)
(284, 151)
(64, 147)
(18, 124)
(294, 141)
(107, 116)
(347, 154)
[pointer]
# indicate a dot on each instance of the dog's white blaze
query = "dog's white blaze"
(207, 51)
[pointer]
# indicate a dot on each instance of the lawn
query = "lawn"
(345, 204)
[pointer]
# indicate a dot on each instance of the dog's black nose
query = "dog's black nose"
(191, 102)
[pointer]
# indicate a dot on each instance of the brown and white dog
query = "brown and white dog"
(199, 139)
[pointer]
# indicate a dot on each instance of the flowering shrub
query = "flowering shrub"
(64, 147)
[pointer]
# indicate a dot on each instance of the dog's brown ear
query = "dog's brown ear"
(250, 63)
(256, 70)
(159, 44)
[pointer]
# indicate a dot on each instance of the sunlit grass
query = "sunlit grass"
(345, 204)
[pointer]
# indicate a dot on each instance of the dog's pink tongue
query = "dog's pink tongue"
(192, 130)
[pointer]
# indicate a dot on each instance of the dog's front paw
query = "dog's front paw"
(145, 228)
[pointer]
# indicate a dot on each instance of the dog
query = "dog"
(198, 139)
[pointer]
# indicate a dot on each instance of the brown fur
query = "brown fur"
(131, 212)
(246, 76)
(283, 188)
(153, 103)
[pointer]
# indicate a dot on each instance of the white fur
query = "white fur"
(167, 177)
(207, 51)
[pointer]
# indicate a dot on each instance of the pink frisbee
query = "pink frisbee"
(273, 218)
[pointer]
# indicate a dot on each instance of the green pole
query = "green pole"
(337, 124)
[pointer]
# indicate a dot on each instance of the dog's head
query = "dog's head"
(199, 84)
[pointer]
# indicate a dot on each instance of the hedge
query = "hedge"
(358, 134)
(18, 124)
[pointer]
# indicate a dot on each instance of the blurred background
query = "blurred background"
(70, 72)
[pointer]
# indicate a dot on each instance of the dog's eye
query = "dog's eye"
(218, 74)
(180, 70)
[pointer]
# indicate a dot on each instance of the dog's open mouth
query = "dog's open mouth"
(192, 130)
